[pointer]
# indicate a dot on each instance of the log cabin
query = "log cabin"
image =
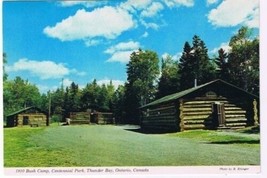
(91, 117)
(213, 105)
(32, 116)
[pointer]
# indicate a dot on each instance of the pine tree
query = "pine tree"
(222, 65)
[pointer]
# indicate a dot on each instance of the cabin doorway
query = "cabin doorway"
(25, 120)
(218, 114)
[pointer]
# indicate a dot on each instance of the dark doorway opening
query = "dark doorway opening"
(25, 120)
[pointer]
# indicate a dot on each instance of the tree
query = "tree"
(119, 105)
(169, 79)
(89, 96)
(222, 65)
(195, 64)
(142, 71)
(244, 60)
(187, 67)
(18, 94)
(4, 72)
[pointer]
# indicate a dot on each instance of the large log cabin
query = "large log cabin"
(213, 105)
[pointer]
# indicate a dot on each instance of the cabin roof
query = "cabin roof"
(178, 95)
(25, 109)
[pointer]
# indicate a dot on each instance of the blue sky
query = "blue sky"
(84, 40)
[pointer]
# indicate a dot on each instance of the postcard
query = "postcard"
(132, 88)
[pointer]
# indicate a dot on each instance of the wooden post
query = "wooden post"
(256, 119)
(181, 116)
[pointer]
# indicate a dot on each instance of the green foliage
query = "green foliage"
(119, 105)
(18, 94)
(240, 66)
(4, 62)
(244, 60)
(169, 81)
(142, 71)
(195, 64)
(223, 70)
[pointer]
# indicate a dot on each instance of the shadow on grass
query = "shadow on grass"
(236, 142)
(146, 131)
(252, 130)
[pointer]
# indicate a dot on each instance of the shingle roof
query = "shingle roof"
(178, 95)
(25, 109)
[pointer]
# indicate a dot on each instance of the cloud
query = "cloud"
(42, 69)
(84, 3)
(178, 3)
(152, 10)
(175, 57)
(92, 42)
(120, 56)
(149, 25)
(235, 12)
(225, 46)
(131, 45)
(145, 35)
(107, 22)
(134, 5)
(122, 51)
(106, 81)
(66, 82)
(210, 2)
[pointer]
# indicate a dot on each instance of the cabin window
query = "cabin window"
(211, 94)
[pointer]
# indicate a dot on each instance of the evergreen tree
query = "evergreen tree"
(195, 64)
(187, 68)
(222, 65)
(4, 72)
(119, 105)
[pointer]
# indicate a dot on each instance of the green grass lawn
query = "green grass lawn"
(94, 145)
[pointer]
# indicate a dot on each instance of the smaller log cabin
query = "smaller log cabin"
(214, 105)
(32, 116)
(91, 117)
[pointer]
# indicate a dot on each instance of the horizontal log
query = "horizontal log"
(235, 124)
(230, 108)
(235, 112)
(161, 114)
(187, 122)
(162, 108)
(196, 117)
(235, 115)
(236, 119)
(196, 109)
(204, 102)
(197, 113)
(196, 105)
(199, 126)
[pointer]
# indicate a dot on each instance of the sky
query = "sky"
(48, 42)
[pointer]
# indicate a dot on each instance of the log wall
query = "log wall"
(164, 117)
(36, 119)
(199, 114)
(79, 118)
